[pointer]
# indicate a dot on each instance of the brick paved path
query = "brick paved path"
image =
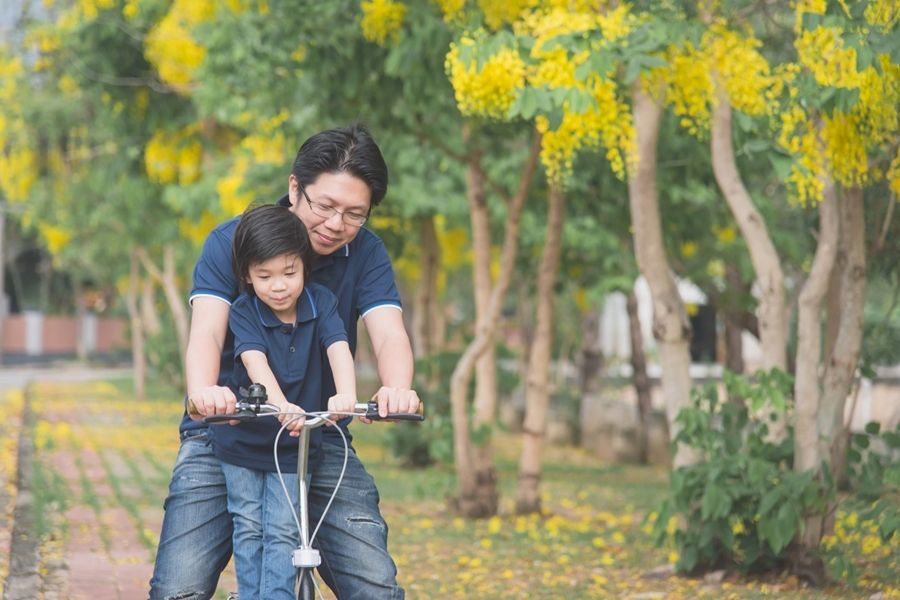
(102, 466)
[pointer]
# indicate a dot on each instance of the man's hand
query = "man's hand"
(395, 400)
(212, 400)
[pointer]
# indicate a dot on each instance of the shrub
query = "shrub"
(742, 503)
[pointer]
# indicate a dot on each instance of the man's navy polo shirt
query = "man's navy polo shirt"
(359, 275)
(295, 355)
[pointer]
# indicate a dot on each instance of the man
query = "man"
(337, 177)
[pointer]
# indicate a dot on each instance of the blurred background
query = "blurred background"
(595, 210)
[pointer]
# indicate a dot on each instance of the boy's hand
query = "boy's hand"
(295, 421)
(342, 403)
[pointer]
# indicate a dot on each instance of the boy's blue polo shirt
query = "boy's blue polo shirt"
(359, 275)
(295, 353)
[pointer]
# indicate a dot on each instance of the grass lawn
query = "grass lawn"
(591, 541)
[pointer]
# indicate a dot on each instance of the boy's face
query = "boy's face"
(344, 196)
(278, 282)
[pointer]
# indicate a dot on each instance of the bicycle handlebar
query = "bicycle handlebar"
(253, 405)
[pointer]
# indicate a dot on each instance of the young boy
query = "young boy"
(281, 329)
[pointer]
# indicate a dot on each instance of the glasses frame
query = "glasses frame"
(318, 209)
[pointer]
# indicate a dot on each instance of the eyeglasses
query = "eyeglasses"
(354, 219)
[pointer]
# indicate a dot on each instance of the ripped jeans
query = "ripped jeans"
(195, 542)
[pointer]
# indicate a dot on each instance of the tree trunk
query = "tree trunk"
(670, 323)
(149, 314)
(4, 306)
(639, 378)
(477, 489)
(168, 280)
(485, 403)
(486, 370)
(807, 385)
(773, 322)
(537, 393)
(81, 351)
(591, 354)
(138, 350)
(424, 332)
(840, 368)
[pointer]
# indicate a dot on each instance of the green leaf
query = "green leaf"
(873, 427)
(861, 440)
(892, 439)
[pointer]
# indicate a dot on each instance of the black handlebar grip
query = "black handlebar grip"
(372, 414)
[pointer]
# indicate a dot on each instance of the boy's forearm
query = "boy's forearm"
(342, 369)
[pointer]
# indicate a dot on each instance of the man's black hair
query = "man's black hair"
(350, 150)
(265, 232)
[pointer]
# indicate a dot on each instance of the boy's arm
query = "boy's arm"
(259, 371)
(394, 357)
(341, 361)
(209, 325)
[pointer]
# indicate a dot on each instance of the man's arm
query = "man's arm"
(209, 325)
(394, 358)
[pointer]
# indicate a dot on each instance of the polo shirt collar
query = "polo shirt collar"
(306, 310)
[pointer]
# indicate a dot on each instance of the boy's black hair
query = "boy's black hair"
(265, 232)
(349, 150)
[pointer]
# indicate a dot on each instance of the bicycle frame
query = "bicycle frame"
(253, 405)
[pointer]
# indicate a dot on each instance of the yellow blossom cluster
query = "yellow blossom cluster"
(743, 70)
(735, 59)
(56, 238)
(544, 25)
(689, 87)
(382, 20)
(883, 13)
(174, 156)
(845, 149)
(88, 10)
(490, 90)
(497, 13)
(798, 135)
(233, 198)
(18, 159)
(609, 124)
(451, 9)
(893, 174)
(170, 45)
(878, 108)
(196, 230)
(822, 51)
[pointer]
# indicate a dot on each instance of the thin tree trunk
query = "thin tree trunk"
(670, 323)
(537, 393)
(807, 384)
(167, 279)
(639, 378)
(773, 323)
(4, 305)
(81, 350)
(485, 403)
(840, 368)
(477, 489)
(486, 369)
(138, 350)
(424, 341)
(591, 360)
(149, 314)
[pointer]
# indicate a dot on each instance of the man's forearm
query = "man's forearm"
(202, 363)
(394, 358)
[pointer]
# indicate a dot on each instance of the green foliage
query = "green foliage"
(742, 503)
(874, 474)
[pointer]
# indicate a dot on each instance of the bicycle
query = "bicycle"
(252, 405)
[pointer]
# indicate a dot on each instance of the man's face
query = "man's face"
(345, 197)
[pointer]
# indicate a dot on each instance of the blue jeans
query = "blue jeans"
(195, 542)
(264, 531)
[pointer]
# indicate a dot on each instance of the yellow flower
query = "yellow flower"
(490, 90)
(382, 20)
